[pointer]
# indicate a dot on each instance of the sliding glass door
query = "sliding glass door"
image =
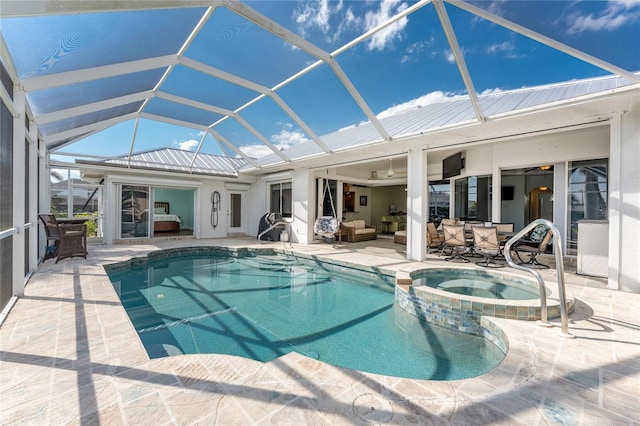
(134, 214)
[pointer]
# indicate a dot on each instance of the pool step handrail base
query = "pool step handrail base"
(557, 249)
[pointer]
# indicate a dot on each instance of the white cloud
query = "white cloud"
(332, 19)
(284, 139)
(507, 46)
(490, 91)
(423, 100)
(612, 17)
(188, 145)
(385, 37)
(448, 55)
(310, 15)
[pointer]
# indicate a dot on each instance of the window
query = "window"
(439, 200)
(473, 198)
(280, 200)
(587, 196)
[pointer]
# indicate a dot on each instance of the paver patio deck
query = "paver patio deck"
(69, 355)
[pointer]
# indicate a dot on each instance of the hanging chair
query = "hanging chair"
(327, 226)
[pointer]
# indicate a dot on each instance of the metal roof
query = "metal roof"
(218, 66)
(176, 160)
(455, 111)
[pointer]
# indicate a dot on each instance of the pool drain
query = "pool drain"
(372, 408)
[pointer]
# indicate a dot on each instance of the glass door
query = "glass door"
(236, 212)
(134, 211)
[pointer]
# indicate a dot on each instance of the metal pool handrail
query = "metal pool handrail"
(557, 249)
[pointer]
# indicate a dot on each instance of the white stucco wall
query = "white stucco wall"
(204, 206)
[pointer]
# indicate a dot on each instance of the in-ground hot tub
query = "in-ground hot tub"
(458, 298)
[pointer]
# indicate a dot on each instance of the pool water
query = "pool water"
(477, 283)
(266, 306)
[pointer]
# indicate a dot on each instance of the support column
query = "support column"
(615, 165)
(496, 196)
(33, 196)
(560, 185)
(19, 135)
(417, 212)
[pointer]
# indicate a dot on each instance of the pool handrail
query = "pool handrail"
(557, 249)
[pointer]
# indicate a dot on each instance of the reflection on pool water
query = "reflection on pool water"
(262, 307)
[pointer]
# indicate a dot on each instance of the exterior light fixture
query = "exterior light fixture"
(545, 168)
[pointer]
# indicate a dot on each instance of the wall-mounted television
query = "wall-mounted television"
(451, 166)
(507, 193)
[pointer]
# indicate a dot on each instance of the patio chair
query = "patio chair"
(69, 240)
(51, 231)
(468, 235)
(434, 239)
(486, 243)
(454, 239)
(536, 243)
(505, 230)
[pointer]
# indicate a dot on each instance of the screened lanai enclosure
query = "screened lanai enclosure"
(227, 110)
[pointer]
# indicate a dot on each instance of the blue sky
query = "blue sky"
(408, 63)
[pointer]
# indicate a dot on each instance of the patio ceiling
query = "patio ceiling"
(227, 69)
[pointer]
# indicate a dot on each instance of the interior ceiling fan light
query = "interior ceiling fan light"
(390, 172)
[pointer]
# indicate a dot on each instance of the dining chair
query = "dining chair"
(486, 243)
(504, 231)
(454, 239)
(434, 239)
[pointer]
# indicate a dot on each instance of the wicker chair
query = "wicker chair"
(52, 235)
(69, 240)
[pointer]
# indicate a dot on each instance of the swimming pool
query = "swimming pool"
(264, 306)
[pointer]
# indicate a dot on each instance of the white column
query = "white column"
(417, 212)
(496, 196)
(33, 196)
(615, 165)
(560, 185)
(19, 135)
(44, 194)
(623, 239)
(303, 218)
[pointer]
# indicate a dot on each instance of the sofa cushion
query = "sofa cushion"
(349, 224)
(359, 224)
(361, 231)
